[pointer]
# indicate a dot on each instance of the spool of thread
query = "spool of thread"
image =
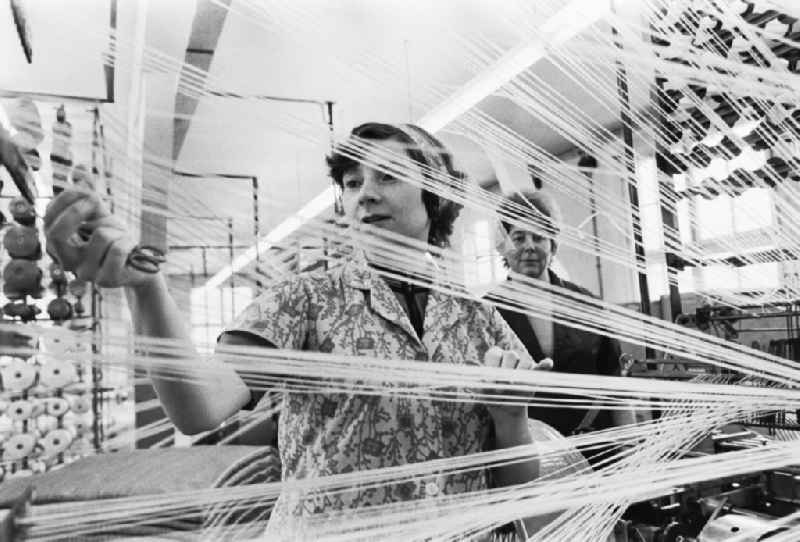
(57, 374)
(57, 274)
(58, 343)
(55, 442)
(18, 446)
(77, 287)
(59, 309)
(80, 404)
(22, 278)
(22, 211)
(23, 114)
(33, 159)
(23, 242)
(56, 406)
(20, 411)
(23, 311)
(79, 309)
(18, 376)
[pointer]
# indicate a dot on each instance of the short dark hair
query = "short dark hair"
(442, 213)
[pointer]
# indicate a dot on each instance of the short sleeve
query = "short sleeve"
(280, 315)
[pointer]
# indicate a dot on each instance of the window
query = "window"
(712, 228)
(484, 265)
(721, 219)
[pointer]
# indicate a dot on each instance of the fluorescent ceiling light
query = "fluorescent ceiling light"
(569, 21)
(572, 19)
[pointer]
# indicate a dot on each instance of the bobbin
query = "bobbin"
(80, 404)
(55, 442)
(57, 374)
(18, 376)
(20, 410)
(56, 406)
(18, 446)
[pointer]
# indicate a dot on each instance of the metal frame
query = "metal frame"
(256, 221)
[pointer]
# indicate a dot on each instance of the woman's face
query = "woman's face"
(383, 201)
(530, 254)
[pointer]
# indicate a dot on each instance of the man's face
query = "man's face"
(382, 200)
(530, 254)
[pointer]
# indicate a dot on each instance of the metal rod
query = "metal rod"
(760, 329)
(256, 231)
(192, 175)
(195, 217)
(205, 295)
(753, 316)
(266, 97)
(588, 164)
(207, 247)
(230, 257)
(97, 375)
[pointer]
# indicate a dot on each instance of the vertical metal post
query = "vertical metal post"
(97, 374)
(633, 192)
(669, 220)
(230, 258)
(256, 233)
(96, 141)
(588, 164)
(338, 209)
(329, 110)
(205, 294)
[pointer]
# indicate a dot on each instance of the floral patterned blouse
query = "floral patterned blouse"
(350, 310)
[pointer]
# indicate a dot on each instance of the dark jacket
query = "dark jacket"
(574, 351)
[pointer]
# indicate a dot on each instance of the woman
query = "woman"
(572, 350)
(349, 310)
